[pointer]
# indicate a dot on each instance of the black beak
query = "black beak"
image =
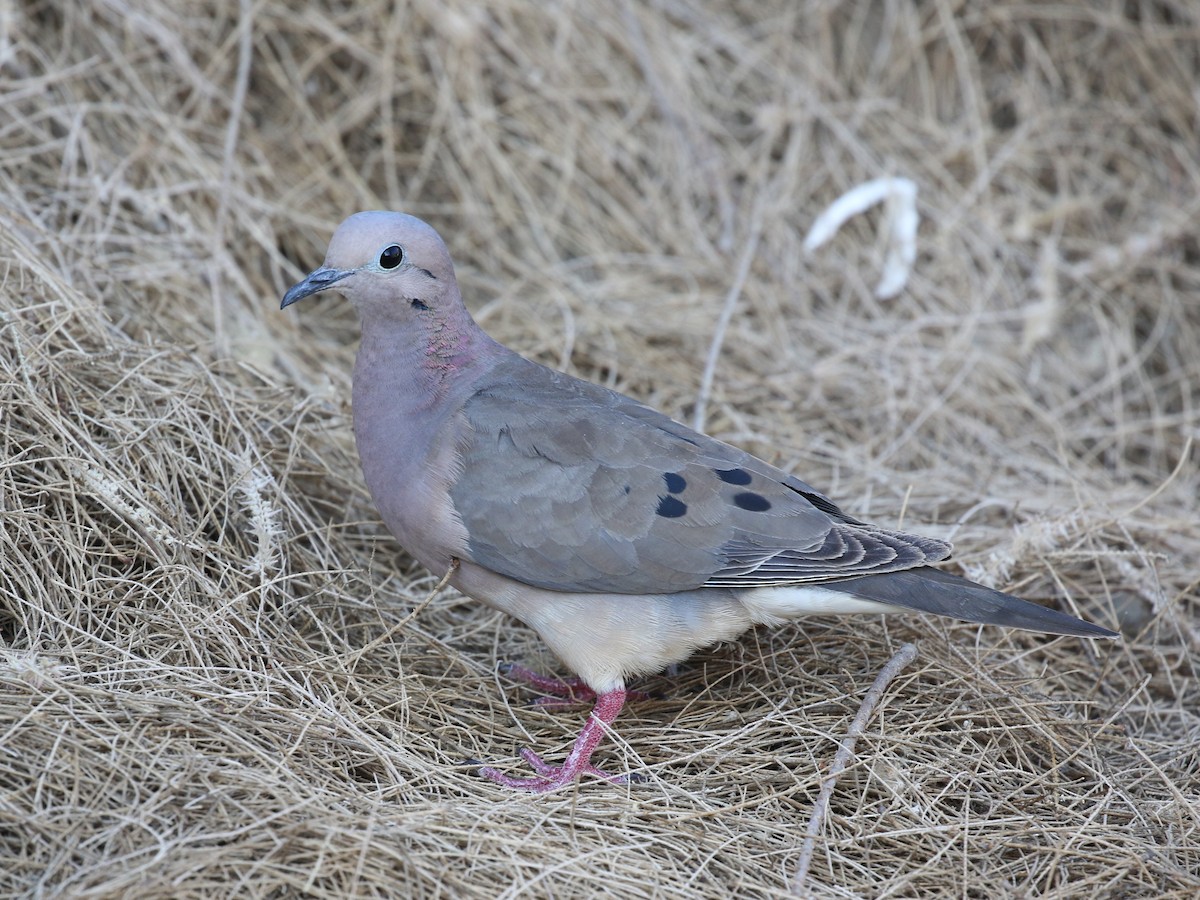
(317, 281)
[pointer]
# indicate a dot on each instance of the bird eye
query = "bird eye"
(391, 256)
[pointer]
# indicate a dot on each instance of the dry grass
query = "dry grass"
(210, 685)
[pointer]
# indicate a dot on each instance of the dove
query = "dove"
(625, 539)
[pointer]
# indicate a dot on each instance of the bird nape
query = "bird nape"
(624, 538)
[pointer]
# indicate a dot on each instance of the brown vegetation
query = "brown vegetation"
(211, 680)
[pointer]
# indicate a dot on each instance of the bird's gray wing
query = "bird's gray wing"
(568, 486)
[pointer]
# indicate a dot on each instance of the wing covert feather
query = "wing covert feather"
(569, 486)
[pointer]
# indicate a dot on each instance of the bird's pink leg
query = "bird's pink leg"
(551, 778)
(562, 691)
(571, 689)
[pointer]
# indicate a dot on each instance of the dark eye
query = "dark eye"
(391, 257)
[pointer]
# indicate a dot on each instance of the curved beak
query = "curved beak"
(317, 280)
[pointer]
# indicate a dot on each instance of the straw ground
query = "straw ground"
(212, 682)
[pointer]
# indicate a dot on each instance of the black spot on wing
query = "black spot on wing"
(751, 502)
(675, 482)
(671, 508)
(733, 476)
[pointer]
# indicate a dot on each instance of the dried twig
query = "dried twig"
(902, 658)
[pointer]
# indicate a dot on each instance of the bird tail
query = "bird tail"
(926, 589)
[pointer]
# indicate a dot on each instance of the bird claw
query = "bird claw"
(551, 778)
(560, 692)
(571, 690)
(537, 764)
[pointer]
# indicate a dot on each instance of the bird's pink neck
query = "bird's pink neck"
(419, 362)
(450, 347)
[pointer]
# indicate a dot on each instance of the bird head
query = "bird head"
(384, 262)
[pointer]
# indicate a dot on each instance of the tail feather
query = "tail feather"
(926, 589)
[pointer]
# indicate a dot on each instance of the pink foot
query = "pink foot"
(571, 689)
(562, 691)
(551, 778)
